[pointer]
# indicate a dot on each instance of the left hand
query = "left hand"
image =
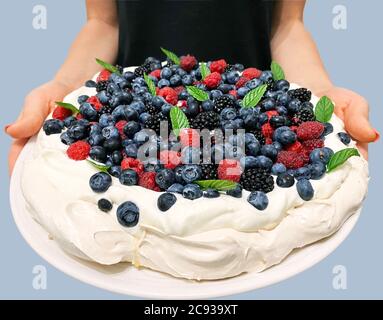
(353, 110)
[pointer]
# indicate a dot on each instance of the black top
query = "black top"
(237, 30)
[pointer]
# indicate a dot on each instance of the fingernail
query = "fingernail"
(377, 136)
(6, 127)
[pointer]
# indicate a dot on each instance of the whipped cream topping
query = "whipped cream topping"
(199, 239)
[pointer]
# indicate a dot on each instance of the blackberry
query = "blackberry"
(258, 134)
(149, 108)
(223, 102)
(106, 109)
(139, 72)
(209, 171)
(270, 84)
(230, 67)
(305, 114)
(154, 122)
(169, 63)
(206, 120)
(257, 179)
(302, 94)
(101, 85)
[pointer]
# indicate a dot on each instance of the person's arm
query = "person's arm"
(293, 47)
(97, 39)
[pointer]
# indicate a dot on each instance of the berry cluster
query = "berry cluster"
(122, 122)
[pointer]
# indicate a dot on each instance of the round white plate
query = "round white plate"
(125, 279)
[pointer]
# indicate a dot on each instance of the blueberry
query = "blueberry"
(243, 91)
(90, 84)
(163, 83)
(258, 199)
(250, 138)
(96, 139)
(192, 192)
(65, 139)
(129, 75)
(191, 172)
(269, 151)
(268, 104)
(110, 132)
(175, 80)
(215, 94)
(283, 99)
(207, 105)
(131, 150)
(138, 106)
(285, 180)
(141, 137)
(239, 67)
(176, 188)
(254, 83)
(287, 137)
(153, 165)
(294, 105)
(278, 131)
(228, 114)
(263, 118)
(232, 77)
(321, 155)
(253, 148)
(106, 120)
(129, 113)
(115, 171)
(248, 162)
(103, 96)
(144, 117)
(98, 154)
(211, 193)
(282, 85)
(53, 126)
(278, 121)
(100, 182)
(89, 113)
(302, 173)
(192, 109)
(190, 155)
(264, 162)
(344, 137)
(68, 121)
(112, 144)
(235, 192)
(317, 170)
(77, 131)
(128, 177)
(305, 189)
(165, 178)
(104, 205)
(266, 76)
(128, 214)
(278, 168)
(81, 99)
(166, 201)
(112, 88)
(131, 128)
(225, 87)
(233, 152)
(282, 110)
(328, 128)
(277, 145)
(183, 95)
(166, 73)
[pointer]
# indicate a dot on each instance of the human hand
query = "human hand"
(353, 110)
(37, 105)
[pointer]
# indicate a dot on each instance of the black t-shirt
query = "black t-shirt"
(237, 30)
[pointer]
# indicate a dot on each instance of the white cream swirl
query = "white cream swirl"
(200, 239)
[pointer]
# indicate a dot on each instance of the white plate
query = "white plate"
(125, 279)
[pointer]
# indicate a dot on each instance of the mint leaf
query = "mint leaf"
(108, 66)
(178, 119)
(171, 56)
(341, 157)
(150, 84)
(278, 73)
(220, 185)
(324, 109)
(252, 98)
(68, 106)
(99, 166)
(205, 71)
(197, 93)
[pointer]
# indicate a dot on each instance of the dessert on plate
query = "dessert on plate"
(201, 170)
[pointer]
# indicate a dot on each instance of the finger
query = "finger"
(363, 149)
(16, 147)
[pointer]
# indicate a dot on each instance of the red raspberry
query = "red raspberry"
(268, 140)
(218, 66)
(148, 180)
(179, 89)
(294, 128)
(120, 126)
(310, 130)
(61, 113)
(169, 94)
(267, 130)
(212, 80)
(295, 147)
(104, 75)
(156, 73)
(251, 73)
(272, 113)
(188, 62)
(189, 137)
(170, 159)
(229, 169)
(310, 145)
(79, 116)
(95, 102)
(291, 160)
(233, 93)
(134, 164)
(78, 150)
(241, 82)
(182, 104)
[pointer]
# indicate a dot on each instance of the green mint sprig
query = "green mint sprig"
(150, 84)
(219, 185)
(324, 109)
(171, 56)
(205, 71)
(179, 120)
(108, 66)
(99, 166)
(253, 97)
(341, 157)
(197, 93)
(68, 106)
(277, 71)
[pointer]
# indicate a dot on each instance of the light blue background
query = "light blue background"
(353, 58)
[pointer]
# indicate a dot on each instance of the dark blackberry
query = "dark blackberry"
(206, 120)
(270, 84)
(305, 114)
(209, 171)
(154, 122)
(139, 72)
(230, 67)
(101, 85)
(257, 179)
(223, 102)
(258, 134)
(302, 94)
(106, 109)
(169, 63)
(149, 108)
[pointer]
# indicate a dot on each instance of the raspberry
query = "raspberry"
(95, 102)
(212, 80)
(61, 113)
(103, 76)
(241, 82)
(295, 147)
(120, 126)
(233, 93)
(182, 104)
(189, 137)
(179, 89)
(170, 159)
(134, 164)
(310, 130)
(291, 160)
(268, 140)
(156, 73)
(148, 181)
(218, 66)
(251, 73)
(188, 62)
(169, 94)
(78, 150)
(229, 169)
(294, 128)
(272, 113)
(267, 130)
(79, 116)
(310, 145)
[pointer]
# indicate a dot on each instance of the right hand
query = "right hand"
(37, 105)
